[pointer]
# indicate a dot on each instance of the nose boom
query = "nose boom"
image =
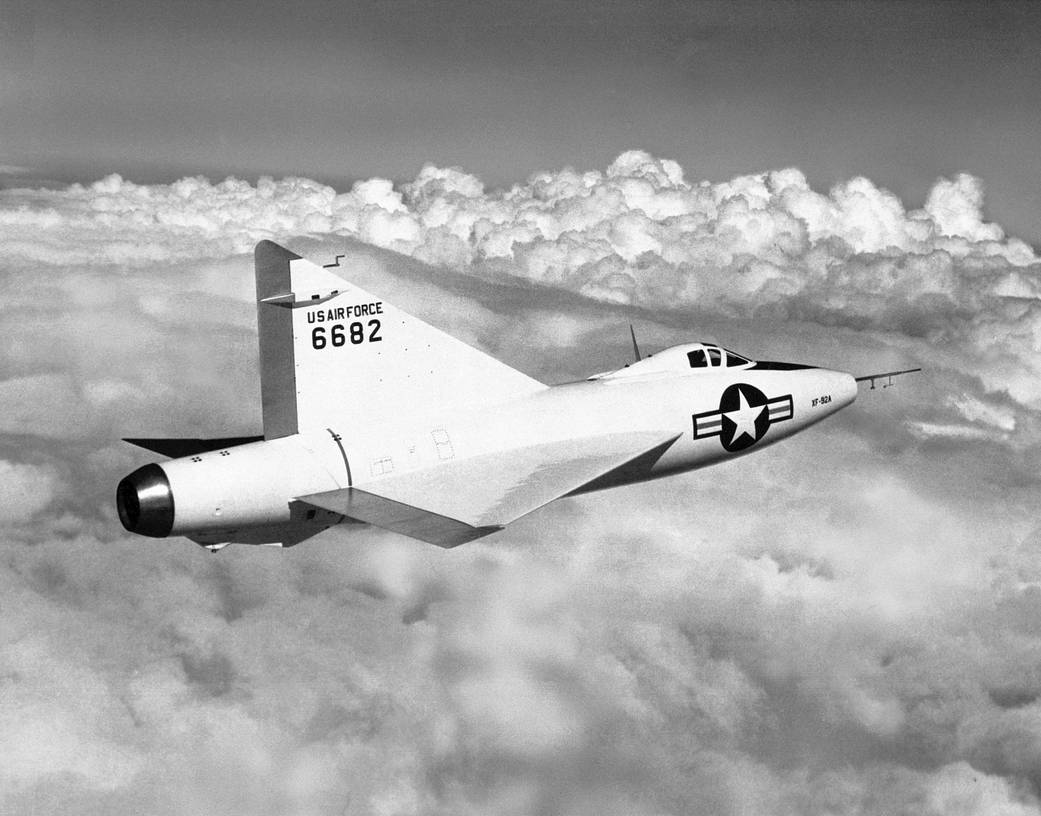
(145, 502)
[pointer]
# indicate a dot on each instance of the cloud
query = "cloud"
(24, 489)
(844, 623)
(764, 245)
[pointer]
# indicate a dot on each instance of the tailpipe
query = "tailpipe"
(145, 502)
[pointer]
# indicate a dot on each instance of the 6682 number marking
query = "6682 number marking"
(339, 335)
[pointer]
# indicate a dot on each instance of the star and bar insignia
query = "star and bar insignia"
(743, 417)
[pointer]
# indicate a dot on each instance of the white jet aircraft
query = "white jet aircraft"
(373, 416)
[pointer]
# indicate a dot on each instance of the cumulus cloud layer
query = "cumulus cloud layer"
(638, 233)
(847, 623)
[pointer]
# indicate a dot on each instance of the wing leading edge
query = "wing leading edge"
(460, 501)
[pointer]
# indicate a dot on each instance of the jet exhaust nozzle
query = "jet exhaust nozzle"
(145, 502)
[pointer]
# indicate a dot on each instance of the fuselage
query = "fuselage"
(246, 493)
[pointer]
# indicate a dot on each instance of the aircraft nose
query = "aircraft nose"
(842, 387)
(145, 502)
(846, 387)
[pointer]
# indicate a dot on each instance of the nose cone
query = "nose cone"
(145, 502)
(845, 387)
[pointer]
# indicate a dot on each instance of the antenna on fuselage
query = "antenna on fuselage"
(636, 348)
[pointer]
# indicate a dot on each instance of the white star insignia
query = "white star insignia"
(744, 417)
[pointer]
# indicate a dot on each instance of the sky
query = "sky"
(899, 92)
(846, 623)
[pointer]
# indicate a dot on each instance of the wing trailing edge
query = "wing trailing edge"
(175, 448)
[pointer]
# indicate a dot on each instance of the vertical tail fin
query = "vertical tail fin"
(331, 353)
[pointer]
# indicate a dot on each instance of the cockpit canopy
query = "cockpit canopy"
(704, 355)
(689, 357)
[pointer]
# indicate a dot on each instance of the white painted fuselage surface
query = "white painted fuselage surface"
(225, 493)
